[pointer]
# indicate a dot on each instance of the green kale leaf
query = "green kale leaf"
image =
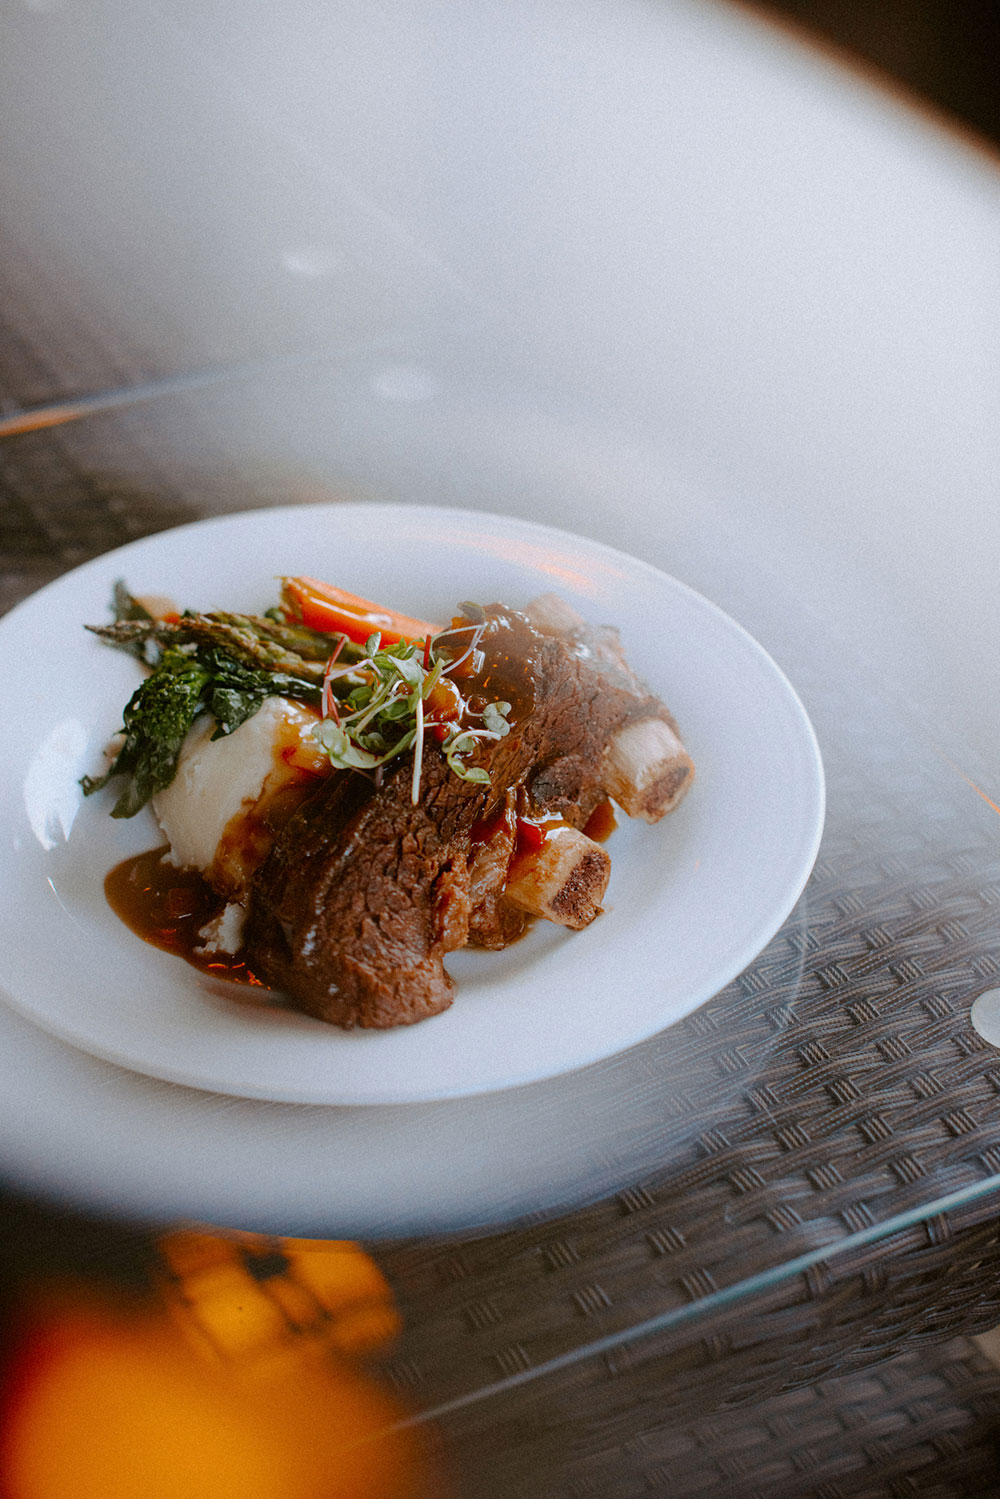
(156, 721)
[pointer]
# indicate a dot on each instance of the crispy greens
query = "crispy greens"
(184, 683)
(386, 712)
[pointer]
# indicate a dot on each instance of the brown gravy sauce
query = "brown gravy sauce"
(601, 823)
(168, 907)
(503, 668)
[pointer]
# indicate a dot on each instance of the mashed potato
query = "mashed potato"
(214, 810)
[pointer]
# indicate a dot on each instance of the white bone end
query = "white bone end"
(564, 880)
(647, 770)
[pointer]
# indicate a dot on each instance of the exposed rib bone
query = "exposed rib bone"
(564, 880)
(647, 769)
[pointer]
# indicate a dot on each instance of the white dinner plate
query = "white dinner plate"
(691, 901)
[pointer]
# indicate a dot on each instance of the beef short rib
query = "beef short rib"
(364, 893)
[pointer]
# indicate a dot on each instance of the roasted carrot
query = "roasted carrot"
(323, 607)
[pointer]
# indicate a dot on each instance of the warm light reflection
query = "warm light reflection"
(584, 575)
(980, 792)
(266, 1302)
(241, 1381)
(970, 783)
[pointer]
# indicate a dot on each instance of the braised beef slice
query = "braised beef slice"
(364, 893)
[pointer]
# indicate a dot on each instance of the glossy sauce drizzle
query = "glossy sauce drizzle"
(508, 669)
(168, 907)
(533, 831)
(601, 823)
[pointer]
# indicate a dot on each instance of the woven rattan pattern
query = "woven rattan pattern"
(919, 1426)
(56, 343)
(877, 1095)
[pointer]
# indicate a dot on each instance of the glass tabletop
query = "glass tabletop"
(804, 1173)
(810, 1156)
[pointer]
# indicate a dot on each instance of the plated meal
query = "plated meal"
(349, 795)
(692, 897)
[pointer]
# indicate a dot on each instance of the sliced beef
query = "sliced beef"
(362, 896)
(364, 893)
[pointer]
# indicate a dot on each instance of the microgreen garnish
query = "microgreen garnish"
(474, 631)
(495, 718)
(460, 743)
(384, 712)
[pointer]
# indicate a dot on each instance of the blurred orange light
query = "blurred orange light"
(103, 1402)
